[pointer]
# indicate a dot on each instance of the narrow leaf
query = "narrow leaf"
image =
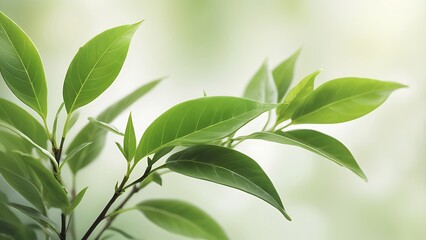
(96, 65)
(261, 87)
(5, 213)
(296, 95)
(96, 135)
(76, 201)
(23, 121)
(13, 231)
(106, 126)
(182, 218)
(343, 99)
(121, 149)
(74, 152)
(316, 142)
(34, 214)
(198, 121)
(121, 232)
(163, 152)
(129, 142)
(21, 66)
(283, 74)
(227, 167)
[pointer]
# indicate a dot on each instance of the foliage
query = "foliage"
(196, 138)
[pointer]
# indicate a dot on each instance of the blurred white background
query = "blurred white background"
(216, 46)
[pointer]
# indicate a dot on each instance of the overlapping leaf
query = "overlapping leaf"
(95, 135)
(283, 74)
(182, 218)
(198, 121)
(343, 99)
(21, 66)
(261, 87)
(96, 65)
(227, 167)
(23, 121)
(316, 142)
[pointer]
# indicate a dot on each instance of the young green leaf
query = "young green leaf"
(198, 121)
(129, 142)
(96, 135)
(158, 155)
(121, 149)
(74, 152)
(296, 95)
(96, 65)
(76, 201)
(316, 142)
(283, 74)
(55, 122)
(153, 177)
(261, 87)
(182, 218)
(105, 126)
(23, 121)
(21, 66)
(342, 100)
(227, 167)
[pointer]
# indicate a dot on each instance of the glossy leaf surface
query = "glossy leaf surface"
(261, 87)
(227, 167)
(198, 121)
(96, 65)
(182, 218)
(296, 95)
(96, 135)
(283, 74)
(343, 99)
(23, 121)
(316, 142)
(21, 66)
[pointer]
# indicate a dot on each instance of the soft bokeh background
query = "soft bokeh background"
(216, 45)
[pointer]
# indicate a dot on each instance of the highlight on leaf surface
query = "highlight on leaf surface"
(283, 74)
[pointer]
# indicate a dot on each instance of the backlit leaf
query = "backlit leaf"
(342, 100)
(21, 66)
(261, 87)
(198, 121)
(96, 65)
(129, 142)
(76, 201)
(227, 167)
(283, 74)
(182, 218)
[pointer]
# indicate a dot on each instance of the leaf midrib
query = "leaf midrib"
(26, 71)
(243, 177)
(336, 102)
(165, 212)
(94, 66)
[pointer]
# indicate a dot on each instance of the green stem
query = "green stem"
(267, 121)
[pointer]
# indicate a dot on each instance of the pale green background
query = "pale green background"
(216, 46)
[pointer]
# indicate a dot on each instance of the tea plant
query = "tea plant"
(195, 138)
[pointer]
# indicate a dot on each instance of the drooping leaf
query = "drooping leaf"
(182, 218)
(23, 121)
(96, 65)
(21, 66)
(198, 121)
(122, 233)
(105, 126)
(96, 135)
(227, 167)
(296, 95)
(12, 231)
(11, 142)
(283, 74)
(316, 142)
(343, 99)
(5, 213)
(261, 87)
(33, 181)
(74, 152)
(34, 214)
(76, 201)
(129, 142)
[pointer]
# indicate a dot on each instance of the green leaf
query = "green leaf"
(23, 121)
(11, 231)
(21, 66)
(105, 126)
(316, 142)
(343, 99)
(198, 121)
(163, 152)
(121, 232)
(227, 167)
(5, 213)
(283, 74)
(55, 122)
(152, 177)
(261, 87)
(11, 142)
(76, 201)
(182, 218)
(74, 152)
(129, 142)
(96, 65)
(34, 214)
(33, 181)
(96, 135)
(296, 95)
